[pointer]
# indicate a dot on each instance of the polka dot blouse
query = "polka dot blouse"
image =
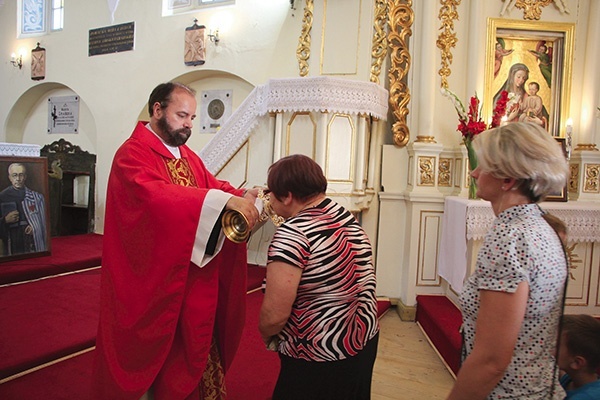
(522, 247)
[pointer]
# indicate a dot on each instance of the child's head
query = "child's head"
(579, 344)
(534, 87)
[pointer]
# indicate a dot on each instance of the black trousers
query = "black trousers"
(348, 379)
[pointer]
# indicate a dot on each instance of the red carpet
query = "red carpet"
(47, 319)
(441, 320)
(382, 307)
(42, 321)
(68, 253)
(67, 380)
(254, 371)
(256, 274)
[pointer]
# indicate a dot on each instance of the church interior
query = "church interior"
(366, 88)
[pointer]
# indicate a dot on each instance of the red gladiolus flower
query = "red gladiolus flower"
(500, 109)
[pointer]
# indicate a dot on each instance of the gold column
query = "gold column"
(303, 51)
(400, 21)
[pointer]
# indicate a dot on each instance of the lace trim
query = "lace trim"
(582, 219)
(317, 94)
(19, 149)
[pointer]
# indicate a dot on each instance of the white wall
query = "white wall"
(260, 43)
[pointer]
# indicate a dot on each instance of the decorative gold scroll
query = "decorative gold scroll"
(303, 51)
(426, 171)
(447, 38)
(574, 178)
(532, 8)
(380, 43)
(592, 178)
(445, 172)
(400, 21)
(574, 259)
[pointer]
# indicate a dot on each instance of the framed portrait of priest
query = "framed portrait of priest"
(532, 61)
(24, 208)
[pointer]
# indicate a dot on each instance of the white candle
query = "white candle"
(569, 137)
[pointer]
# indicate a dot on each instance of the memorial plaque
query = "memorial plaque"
(63, 114)
(111, 39)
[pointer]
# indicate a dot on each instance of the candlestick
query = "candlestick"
(569, 138)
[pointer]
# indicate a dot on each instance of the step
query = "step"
(440, 319)
(47, 319)
(67, 254)
(70, 378)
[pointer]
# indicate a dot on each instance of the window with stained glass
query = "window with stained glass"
(38, 17)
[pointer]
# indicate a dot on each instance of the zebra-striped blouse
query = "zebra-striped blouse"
(335, 311)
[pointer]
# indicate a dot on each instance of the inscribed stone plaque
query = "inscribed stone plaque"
(111, 39)
(63, 114)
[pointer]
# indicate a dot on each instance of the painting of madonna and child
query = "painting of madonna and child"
(527, 70)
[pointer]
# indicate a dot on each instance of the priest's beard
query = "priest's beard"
(173, 137)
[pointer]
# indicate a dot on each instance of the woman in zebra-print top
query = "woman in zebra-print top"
(320, 307)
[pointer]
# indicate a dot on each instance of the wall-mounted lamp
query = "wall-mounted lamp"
(214, 37)
(16, 61)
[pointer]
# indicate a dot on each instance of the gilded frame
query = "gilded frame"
(28, 235)
(521, 43)
(563, 194)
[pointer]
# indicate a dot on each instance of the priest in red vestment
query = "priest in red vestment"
(172, 301)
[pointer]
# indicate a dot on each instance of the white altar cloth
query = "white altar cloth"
(465, 220)
(19, 149)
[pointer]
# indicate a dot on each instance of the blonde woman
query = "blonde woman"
(512, 304)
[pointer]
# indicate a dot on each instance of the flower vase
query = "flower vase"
(472, 189)
(472, 165)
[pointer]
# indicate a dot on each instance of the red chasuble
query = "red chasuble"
(158, 310)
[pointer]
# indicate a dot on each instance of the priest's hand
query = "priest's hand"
(246, 207)
(251, 194)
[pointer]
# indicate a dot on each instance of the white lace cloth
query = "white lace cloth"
(582, 219)
(19, 149)
(319, 94)
(465, 220)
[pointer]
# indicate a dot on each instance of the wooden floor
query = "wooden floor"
(407, 367)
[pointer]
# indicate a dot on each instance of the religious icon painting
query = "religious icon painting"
(195, 50)
(38, 63)
(532, 61)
